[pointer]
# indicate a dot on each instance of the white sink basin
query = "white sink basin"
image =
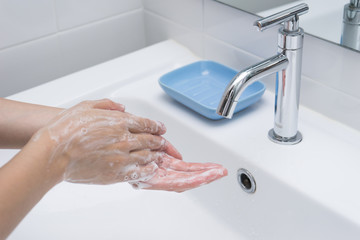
(306, 191)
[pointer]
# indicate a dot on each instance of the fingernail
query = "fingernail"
(225, 172)
(162, 127)
(121, 107)
(221, 171)
(174, 152)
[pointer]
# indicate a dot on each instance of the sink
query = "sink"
(306, 191)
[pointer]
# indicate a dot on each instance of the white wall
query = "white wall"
(42, 40)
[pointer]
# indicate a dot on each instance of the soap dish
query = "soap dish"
(200, 86)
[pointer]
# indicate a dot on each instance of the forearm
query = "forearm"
(24, 180)
(19, 121)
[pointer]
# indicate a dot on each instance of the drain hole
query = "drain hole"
(246, 180)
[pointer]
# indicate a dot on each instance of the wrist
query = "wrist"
(43, 150)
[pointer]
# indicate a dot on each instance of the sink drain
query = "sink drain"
(246, 180)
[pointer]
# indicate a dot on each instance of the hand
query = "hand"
(96, 142)
(176, 175)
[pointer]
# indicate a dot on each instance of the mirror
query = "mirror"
(337, 21)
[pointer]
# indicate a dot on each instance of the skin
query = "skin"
(94, 142)
(179, 176)
(19, 121)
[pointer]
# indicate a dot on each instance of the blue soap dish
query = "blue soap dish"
(200, 86)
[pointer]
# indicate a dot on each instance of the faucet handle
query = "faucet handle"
(355, 3)
(290, 17)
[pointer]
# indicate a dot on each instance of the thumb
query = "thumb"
(107, 104)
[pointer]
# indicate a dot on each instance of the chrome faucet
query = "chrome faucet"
(287, 64)
(350, 36)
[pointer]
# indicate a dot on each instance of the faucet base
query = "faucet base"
(283, 140)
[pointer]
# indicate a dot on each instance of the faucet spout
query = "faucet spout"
(245, 78)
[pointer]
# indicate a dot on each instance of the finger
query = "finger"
(137, 124)
(171, 150)
(154, 142)
(169, 162)
(141, 173)
(146, 156)
(146, 142)
(181, 181)
(106, 104)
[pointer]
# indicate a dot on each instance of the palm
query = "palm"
(176, 175)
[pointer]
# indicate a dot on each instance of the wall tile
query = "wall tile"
(229, 55)
(331, 65)
(159, 29)
(335, 104)
(185, 12)
(21, 21)
(28, 65)
(102, 41)
(233, 57)
(236, 28)
(72, 13)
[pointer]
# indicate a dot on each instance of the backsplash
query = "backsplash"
(42, 40)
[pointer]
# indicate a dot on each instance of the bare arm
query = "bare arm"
(19, 121)
(24, 180)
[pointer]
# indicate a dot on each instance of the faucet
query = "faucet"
(287, 65)
(350, 36)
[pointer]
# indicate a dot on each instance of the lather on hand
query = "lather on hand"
(96, 142)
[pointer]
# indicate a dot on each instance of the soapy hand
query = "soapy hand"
(96, 142)
(176, 175)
